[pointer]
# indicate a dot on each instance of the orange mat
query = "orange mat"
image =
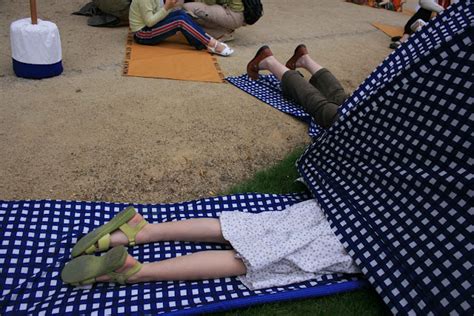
(171, 59)
(390, 30)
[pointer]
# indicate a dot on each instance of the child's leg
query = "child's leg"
(295, 87)
(197, 266)
(330, 87)
(422, 14)
(322, 79)
(175, 21)
(310, 98)
(199, 229)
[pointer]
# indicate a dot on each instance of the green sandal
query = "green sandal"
(85, 269)
(101, 235)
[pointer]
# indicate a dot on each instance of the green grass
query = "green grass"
(280, 179)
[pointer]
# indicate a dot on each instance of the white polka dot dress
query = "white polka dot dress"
(284, 247)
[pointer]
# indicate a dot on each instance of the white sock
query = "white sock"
(431, 5)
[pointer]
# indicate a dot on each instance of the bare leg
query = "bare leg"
(309, 64)
(274, 66)
(199, 229)
(404, 38)
(197, 266)
(278, 69)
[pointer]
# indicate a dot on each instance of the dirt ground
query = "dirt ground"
(92, 134)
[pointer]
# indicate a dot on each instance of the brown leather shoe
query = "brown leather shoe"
(300, 50)
(252, 67)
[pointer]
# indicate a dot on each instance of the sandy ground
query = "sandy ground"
(91, 134)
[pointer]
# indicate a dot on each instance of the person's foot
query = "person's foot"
(295, 60)
(130, 262)
(255, 64)
(395, 45)
(219, 48)
(119, 238)
(100, 238)
(418, 25)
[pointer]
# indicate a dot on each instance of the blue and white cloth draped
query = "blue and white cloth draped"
(394, 174)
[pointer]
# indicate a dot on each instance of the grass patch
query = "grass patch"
(362, 302)
(280, 179)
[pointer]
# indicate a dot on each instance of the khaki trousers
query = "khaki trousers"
(217, 20)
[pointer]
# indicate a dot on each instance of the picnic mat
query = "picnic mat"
(36, 238)
(267, 89)
(394, 174)
(390, 30)
(171, 59)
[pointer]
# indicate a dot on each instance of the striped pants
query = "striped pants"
(174, 22)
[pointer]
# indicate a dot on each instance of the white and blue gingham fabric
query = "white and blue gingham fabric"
(395, 173)
(267, 89)
(36, 238)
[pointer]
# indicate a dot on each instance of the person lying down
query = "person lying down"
(273, 248)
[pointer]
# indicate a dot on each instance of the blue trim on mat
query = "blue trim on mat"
(32, 71)
(277, 297)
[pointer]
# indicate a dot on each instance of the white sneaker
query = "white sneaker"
(417, 25)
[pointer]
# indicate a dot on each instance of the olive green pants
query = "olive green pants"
(320, 97)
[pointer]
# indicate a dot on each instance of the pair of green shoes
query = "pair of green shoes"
(85, 268)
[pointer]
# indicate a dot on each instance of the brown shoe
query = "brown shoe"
(300, 50)
(252, 66)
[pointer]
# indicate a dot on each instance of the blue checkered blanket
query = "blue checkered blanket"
(267, 89)
(37, 237)
(395, 174)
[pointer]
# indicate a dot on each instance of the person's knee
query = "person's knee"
(181, 14)
(183, 17)
(323, 111)
(197, 9)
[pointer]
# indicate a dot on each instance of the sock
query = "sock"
(431, 5)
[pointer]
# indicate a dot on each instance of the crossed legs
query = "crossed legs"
(320, 97)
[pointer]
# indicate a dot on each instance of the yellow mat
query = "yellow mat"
(390, 30)
(171, 59)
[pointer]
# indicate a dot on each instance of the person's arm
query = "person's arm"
(431, 5)
(150, 18)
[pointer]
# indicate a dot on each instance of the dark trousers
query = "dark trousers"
(423, 14)
(320, 97)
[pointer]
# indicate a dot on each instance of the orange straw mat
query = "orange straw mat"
(171, 59)
(390, 30)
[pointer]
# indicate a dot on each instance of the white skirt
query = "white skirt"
(285, 247)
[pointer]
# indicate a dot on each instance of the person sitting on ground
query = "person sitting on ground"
(320, 97)
(151, 22)
(419, 19)
(273, 248)
(219, 18)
